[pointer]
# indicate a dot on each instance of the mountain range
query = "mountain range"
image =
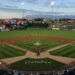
(30, 14)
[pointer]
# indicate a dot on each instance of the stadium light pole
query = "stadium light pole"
(22, 4)
(52, 3)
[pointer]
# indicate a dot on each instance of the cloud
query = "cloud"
(39, 5)
(31, 1)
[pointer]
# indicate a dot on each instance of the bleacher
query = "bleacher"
(15, 72)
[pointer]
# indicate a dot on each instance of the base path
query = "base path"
(12, 60)
(58, 47)
(45, 54)
(9, 61)
(16, 47)
(64, 60)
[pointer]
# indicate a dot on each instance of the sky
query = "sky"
(66, 6)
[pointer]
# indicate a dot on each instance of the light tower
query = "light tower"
(52, 3)
(23, 12)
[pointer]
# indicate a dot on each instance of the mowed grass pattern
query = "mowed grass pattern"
(13, 34)
(68, 51)
(45, 45)
(6, 52)
(37, 64)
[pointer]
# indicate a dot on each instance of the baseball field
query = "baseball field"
(44, 48)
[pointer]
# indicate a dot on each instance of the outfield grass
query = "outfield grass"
(12, 34)
(68, 51)
(44, 45)
(37, 64)
(7, 52)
